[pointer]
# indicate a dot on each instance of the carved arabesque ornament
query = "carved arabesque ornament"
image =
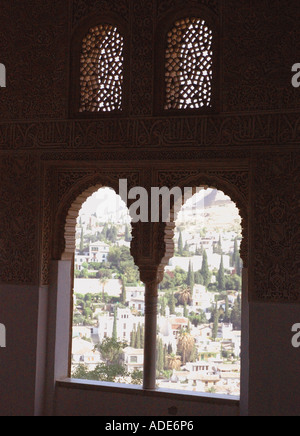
(276, 227)
(259, 120)
(152, 245)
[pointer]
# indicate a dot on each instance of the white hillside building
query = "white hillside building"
(98, 252)
(126, 323)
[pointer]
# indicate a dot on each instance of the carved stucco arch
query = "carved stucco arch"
(70, 205)
(220, 183)
(159, 235)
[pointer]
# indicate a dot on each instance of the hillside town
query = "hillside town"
(199, 311)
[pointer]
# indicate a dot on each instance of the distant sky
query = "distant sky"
(105, 202)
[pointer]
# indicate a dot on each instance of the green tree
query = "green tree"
(111, 351)
(117, 255)
(129, 270)
(191, 277)
(180, 277)
(227, 312)
(110, 373)
(138, 337)
(216, 316)
(172, 303)
(137, 377)
(84, 273)
(218, 247)
(198, 318)
(82, 373)
(236, 259)
(233, 283)
(198, 278)
(133, 338)
(163, 306)
(111, 234)
(128, 236)
(221, 276)
(88, 314)
(205, 269)
(123, 294)
(142, 336)
(236, 314)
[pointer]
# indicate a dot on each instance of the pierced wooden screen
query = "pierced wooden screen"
(189, 61)
(101, 71)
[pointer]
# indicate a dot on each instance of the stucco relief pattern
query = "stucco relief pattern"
(84, 8)
(34, 49)
(260, 122)
(142, 34)
(260, 44)
(276, 227)
(19, 218)
(164, 6)
(238, 131)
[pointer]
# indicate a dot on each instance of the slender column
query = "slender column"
(244, 402)
(151, 297)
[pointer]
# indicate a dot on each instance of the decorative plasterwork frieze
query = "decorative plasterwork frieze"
(205, 132)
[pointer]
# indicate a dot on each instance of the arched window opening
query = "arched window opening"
(108, 315)
(101, 70)
(189, 65)
(199, 321)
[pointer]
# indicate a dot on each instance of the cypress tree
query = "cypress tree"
(216, 323)
(221, 276)
(138, 337)
(142, 336)
(205, 270)
(226, 315)
(236, 314)
(191, 277)
(172, 304)
(236, 259)
(123, 294)
(133, 338)
(198, 278)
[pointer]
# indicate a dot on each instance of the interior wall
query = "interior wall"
(111, 402)
(274, 388)
(19, 314)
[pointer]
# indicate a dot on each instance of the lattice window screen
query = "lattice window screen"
(101, 70)
(189, 62)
